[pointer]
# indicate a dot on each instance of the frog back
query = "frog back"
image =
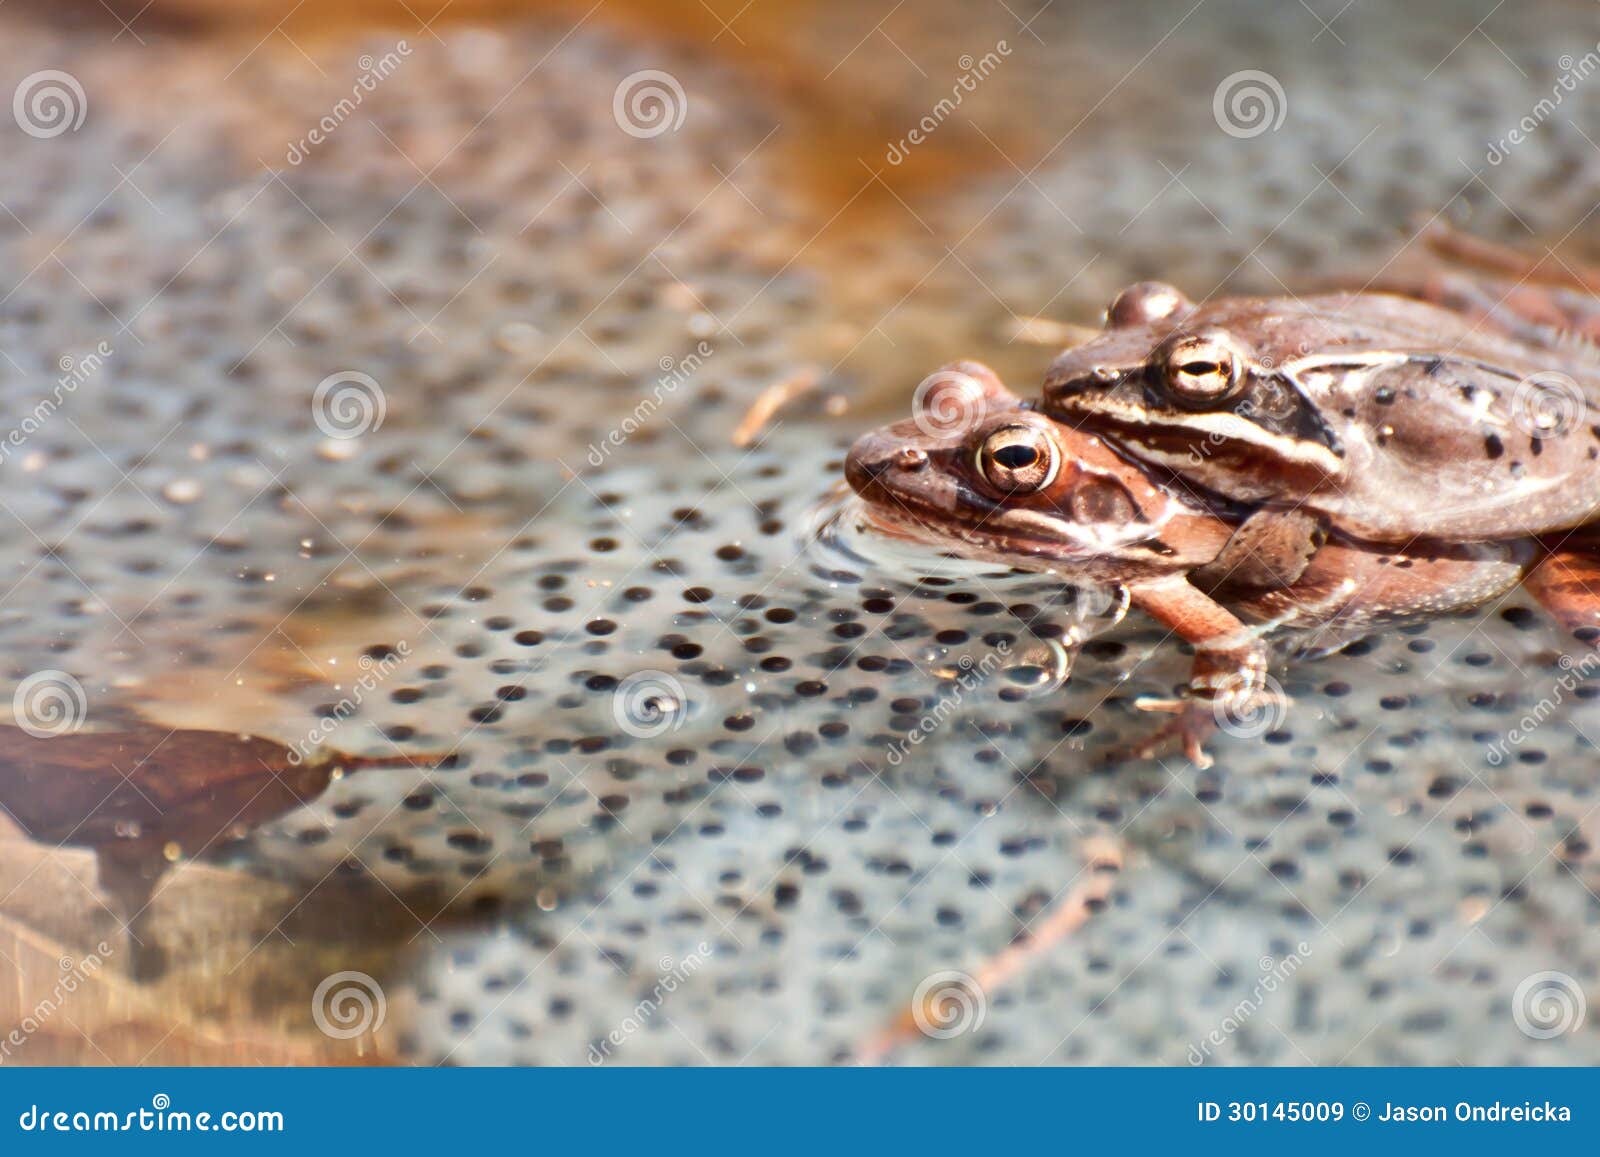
(1448, 446)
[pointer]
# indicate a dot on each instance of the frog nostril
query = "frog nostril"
(866, 465)
(911, 458)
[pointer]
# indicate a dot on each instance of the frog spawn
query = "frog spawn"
(774, 866)
(768, 823)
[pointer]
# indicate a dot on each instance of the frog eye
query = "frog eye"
(1018, 459)
(1203, 369)
(1146, 302)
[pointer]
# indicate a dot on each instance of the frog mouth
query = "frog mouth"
(955, 516)
(994, 535)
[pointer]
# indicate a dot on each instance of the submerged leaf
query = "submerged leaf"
(143, 797)
(154, 786)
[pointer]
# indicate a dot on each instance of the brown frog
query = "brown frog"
(978, 472)
(1463, 410)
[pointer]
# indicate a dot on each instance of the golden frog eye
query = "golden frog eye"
(1202, 369)
(1018, 459)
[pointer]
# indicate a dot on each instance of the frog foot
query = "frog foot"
(1192, 722)
(1248, 704)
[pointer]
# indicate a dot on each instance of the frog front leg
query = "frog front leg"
(1270, 550)
(1228, 678)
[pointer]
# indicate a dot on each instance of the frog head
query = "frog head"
(1209, 391)
(979, 473)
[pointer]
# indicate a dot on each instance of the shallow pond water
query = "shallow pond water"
(585, 727)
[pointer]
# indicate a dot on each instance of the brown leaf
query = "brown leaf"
(146, 787)
(144, 796)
